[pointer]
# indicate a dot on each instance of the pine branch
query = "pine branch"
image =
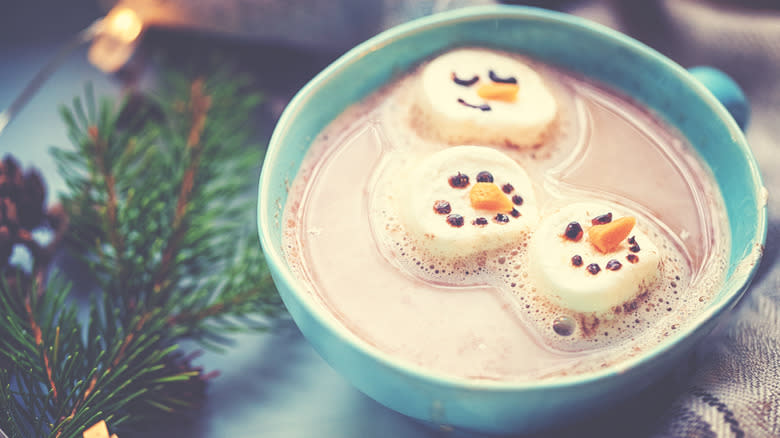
(199, 106)
(161, 198)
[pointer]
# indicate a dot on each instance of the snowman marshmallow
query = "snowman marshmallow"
(467, 199)
(590, 257)
(481, 97)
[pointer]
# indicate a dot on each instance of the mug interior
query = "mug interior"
(563, 41)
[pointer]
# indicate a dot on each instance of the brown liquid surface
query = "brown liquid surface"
(342, 239)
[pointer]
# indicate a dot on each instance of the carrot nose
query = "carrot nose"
(607, 237)
(487, 196)
(498, 91)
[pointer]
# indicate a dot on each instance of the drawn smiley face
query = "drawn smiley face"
(479, 96)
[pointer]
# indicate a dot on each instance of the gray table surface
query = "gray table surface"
(275, 384)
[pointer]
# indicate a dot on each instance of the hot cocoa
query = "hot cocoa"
(565, 242)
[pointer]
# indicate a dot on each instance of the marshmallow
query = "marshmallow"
(480, 96)
(466, 199)
(591, 268)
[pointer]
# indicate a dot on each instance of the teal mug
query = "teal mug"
(575, 45)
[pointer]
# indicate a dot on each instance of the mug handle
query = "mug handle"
(726, 90)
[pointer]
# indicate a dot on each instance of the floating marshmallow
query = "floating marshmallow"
(590, 257)
(480, 96)
(467, 199)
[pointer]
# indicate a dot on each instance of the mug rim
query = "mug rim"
(736, 285)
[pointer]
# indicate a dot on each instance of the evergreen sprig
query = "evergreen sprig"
(161, 211)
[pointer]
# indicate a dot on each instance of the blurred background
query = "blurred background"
(275, 384)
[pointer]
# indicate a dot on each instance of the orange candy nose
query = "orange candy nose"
(607, 237)
(487, 196)
(498, 91)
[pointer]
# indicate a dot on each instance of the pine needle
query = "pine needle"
(161, 207)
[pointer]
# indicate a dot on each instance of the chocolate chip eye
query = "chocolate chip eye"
(573, 231)
(602, 219)
(500, 80)
(459, 181)
(485, 176)
(464, 82)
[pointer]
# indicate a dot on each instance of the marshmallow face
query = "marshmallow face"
(479, 96)
(571, 269)
(467, 199)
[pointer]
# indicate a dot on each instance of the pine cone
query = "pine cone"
(22, 205)
(6, 243)
(10, 181)
(10, 176)
(31, 202)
